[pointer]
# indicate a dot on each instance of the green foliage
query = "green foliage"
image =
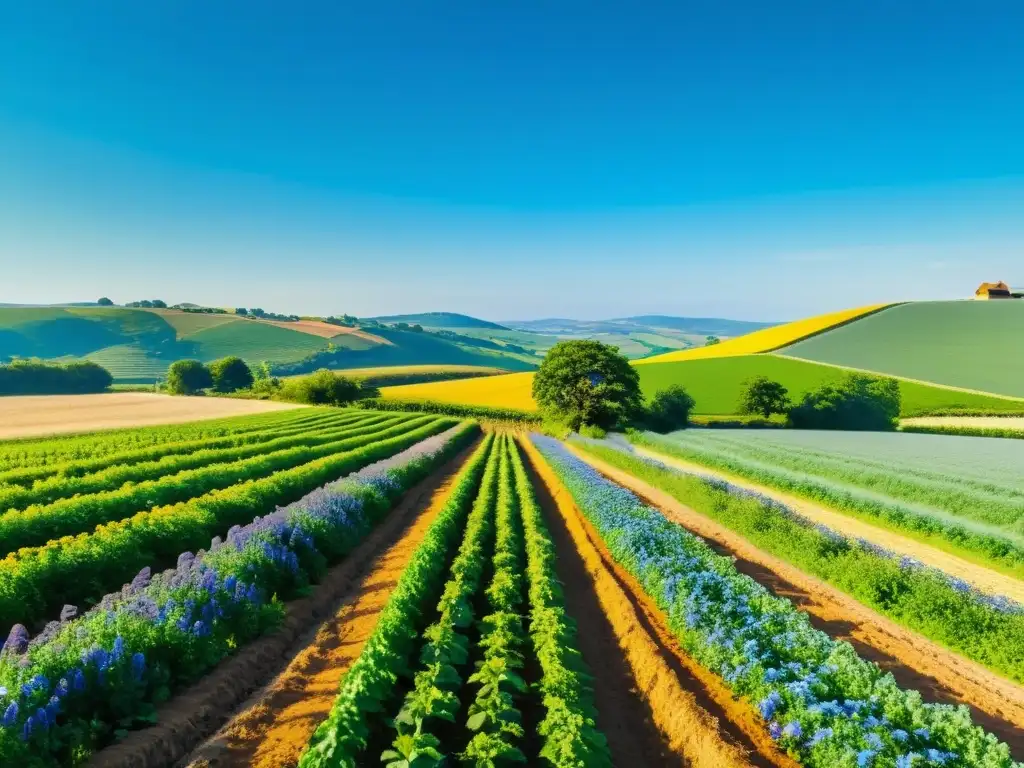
(587, 382)
(966, 431)
(321, 388)
(35, 583)
(717, 384)
(919, 599)
(370, 685)
(33, 377)
(763, 396)
(569, 729)
(188, 377)
(594, 432)
(104, 302)
(710, 341)
(230, 374)
(668, 409)
(451, 409)
(858, 402)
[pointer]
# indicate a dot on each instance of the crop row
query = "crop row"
(822, 703)
(68, 691)
(985, 502)
(35, 452)
(62, 486)
(39, 524)
(27, 476)
(468, 691)
(36, 582)
(994, 548)
(987, 629)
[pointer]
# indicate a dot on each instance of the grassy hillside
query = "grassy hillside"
(769, 339)
(138, 345)
(715, 383)
(970, 344)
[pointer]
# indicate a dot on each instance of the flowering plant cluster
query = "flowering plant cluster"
(819, 700)
(71, 689)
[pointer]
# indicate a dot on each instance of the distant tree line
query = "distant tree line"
(148, 304)
(34, 377)
(262, 315)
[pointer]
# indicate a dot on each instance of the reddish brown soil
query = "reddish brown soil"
(656, 707)
(351, 594)
(940, 675)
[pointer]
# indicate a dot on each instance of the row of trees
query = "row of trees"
(34, 377)
(588, 383)
(856, 402)
(189, 377)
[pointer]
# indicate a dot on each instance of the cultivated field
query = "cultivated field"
(32, 415)
(400, 588)
(970, 344)
(715, 384)
(769, 339)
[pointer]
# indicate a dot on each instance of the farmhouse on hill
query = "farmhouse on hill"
(998, 290)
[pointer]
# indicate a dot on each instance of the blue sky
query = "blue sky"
(511, 159)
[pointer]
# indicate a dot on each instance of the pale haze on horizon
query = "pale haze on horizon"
(499, 163)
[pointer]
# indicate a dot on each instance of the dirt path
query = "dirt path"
(985, 579)
(36, 415)
(973, 422)
(917, 663)
(349, 597)
(654, 706)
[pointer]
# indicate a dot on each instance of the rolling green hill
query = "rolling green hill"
(138, 345)
(969, 344)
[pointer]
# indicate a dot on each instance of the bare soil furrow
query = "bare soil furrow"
(298, 653)
(656, 706)
(916, 663)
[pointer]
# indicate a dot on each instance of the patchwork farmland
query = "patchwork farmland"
(344, 587)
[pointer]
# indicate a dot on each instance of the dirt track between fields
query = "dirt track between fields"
(917, 663)
(300, 664)
(38, 415)
(985, 579)
(655, 705)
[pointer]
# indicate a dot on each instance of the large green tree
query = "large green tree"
(587, 382)
(763, 396)
(230, 374)
(186, 377)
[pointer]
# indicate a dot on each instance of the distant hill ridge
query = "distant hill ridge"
(440, 320)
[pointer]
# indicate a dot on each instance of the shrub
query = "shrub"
(763, 396)
(858, 402)
(186, 377)
(34, 377)
(587, 382)
(230, 374)
(321, 388)
(669, 409)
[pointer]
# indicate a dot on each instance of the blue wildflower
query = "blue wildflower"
(865, 757)
(793, 730)
(138, 665)
(10, 715)
(775, 730)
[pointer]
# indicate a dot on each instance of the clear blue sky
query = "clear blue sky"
(511, 159)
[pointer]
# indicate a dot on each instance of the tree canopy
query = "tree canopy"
(763, 396)
(230, 374)
(186, 377)
(587, 382)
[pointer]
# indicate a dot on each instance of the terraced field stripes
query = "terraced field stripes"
(36, 582)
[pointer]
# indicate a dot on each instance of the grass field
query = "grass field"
(970, 344)
(715, 384)
(768, 339)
